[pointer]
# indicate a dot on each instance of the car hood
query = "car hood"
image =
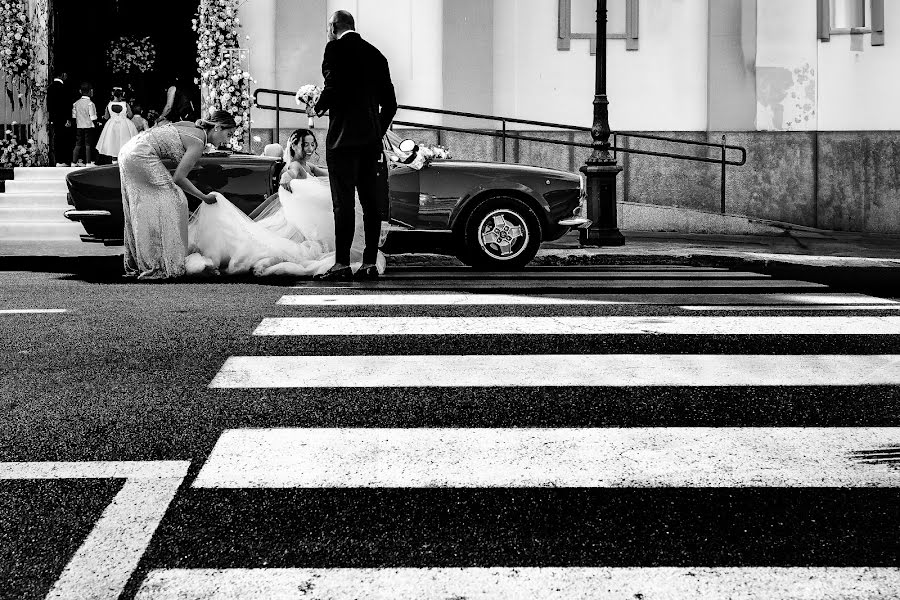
(504, 169)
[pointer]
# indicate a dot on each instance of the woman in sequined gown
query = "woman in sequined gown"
(154, 201)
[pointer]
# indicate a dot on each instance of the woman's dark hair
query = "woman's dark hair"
(219, 118)
(298, 136)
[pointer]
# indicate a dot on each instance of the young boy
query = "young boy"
(140, 123)
(84, 113)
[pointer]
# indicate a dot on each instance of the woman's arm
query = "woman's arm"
(128, 113)
(170, 100)
(106, 114)
(193, 151)
(319, 171)
(293, 171)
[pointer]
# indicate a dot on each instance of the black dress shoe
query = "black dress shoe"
(367, 274)
(332, 274)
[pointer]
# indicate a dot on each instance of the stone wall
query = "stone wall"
(844, 181)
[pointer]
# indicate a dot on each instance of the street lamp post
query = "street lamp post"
(601, 169)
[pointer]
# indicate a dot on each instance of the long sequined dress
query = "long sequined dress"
(156, 210)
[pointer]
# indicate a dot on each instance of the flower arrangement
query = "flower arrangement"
(420, 156)
(131, 53)
(225, 80)
(15, 154)
(15, 40)
(307, 96)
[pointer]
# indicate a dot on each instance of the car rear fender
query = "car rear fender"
(514, 190)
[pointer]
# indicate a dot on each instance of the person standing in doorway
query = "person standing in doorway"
(59, 105)
(84, 113)
(361, 102)
(179, 103)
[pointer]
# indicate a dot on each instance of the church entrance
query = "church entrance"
(82, 32)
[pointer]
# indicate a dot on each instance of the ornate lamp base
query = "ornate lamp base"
(601, 206)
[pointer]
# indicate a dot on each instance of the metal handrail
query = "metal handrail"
(504, 134)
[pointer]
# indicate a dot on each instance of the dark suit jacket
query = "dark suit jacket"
(59, 103)
(358, 93)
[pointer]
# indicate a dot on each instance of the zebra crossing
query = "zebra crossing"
(566, 499)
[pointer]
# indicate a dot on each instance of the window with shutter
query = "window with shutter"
(578, 20)
(851, 16)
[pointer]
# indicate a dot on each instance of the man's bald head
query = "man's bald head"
(340, 22)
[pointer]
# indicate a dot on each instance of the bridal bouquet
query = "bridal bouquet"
(308, 95)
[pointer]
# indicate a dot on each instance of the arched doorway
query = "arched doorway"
(82, 33)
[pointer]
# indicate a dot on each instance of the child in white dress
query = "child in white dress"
(118, 129)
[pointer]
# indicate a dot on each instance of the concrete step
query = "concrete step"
(29, 230)
(42, 173)
(25, 186)
(32, 214)
(35, 200)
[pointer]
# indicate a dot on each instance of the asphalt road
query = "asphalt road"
(98, 396)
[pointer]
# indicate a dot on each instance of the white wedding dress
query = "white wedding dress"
(291, 234)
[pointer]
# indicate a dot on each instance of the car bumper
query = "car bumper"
(86, 215)
(576, 223)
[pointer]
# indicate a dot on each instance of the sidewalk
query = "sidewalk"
(861, 261)
(800, 248)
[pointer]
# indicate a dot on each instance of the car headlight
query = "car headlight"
(581, 211)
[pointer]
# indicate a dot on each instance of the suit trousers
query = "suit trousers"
(355, 170)
(62, 142)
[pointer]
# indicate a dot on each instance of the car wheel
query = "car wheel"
(501, 233)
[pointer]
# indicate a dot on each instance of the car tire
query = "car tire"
(500, 234)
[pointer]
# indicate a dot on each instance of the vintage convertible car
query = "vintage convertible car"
(490, 215)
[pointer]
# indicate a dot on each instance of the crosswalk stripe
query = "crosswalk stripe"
(567, 283)
(557, 370)
(32, 311)
(622, 274)
(671, 325)
(680, 457)
(526, 298)
(781, 307)
(534, 583)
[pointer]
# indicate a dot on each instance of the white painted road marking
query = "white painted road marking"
(566, 370)
(431, 300)
(693, 457)
(532, 583)
(32, 311)
(808, 307)
(473, 299)
(669, 325)
(486, 282)
(105, 561)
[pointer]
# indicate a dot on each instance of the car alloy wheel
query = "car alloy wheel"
(503, 234)
(500, 233)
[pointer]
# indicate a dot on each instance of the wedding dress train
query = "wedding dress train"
(291, 234)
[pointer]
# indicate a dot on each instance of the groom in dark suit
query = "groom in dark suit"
(360, 99)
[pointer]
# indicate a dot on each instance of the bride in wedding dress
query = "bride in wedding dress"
(291, 233)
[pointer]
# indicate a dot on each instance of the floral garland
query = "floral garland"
(15, 41)
(14, 154)
(130, 53)
(223, 78)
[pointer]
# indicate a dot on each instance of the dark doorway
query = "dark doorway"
(82, 32)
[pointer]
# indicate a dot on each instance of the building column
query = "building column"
(258, 19)
(410, 34)
(731, 81)
(468, 27)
